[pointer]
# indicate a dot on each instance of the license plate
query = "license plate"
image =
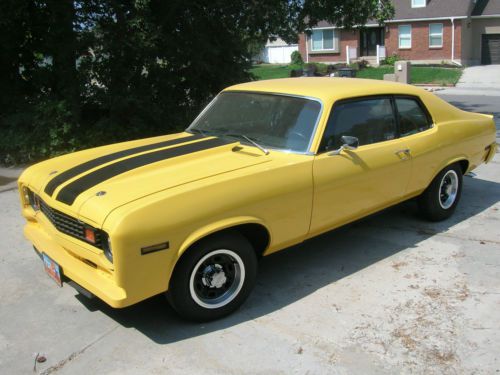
(52, 269)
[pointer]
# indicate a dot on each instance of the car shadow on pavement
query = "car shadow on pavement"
(293, 274)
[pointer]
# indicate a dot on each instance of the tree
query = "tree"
(80, 73)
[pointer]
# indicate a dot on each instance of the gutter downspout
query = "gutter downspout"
(453, 42)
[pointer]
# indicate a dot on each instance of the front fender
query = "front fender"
(216, 227)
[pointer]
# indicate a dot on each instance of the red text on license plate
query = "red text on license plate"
(52, 269)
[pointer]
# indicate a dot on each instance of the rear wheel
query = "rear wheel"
(214, 277)
(439, 200)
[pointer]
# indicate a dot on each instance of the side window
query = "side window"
(412, 119)
(369, 120)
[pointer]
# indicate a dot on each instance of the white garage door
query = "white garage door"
(280, 54)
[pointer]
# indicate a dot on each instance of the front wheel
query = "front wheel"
(214, 277)
(439, 200)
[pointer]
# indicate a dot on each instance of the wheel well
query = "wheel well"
(256, 234)
(464, 165)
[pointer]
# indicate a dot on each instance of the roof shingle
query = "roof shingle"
(486, 8)
(433, 9)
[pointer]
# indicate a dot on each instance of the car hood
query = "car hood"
(91, 183)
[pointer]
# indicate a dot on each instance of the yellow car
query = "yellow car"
(265, 166)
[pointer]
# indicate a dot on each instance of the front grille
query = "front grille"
(67, 224)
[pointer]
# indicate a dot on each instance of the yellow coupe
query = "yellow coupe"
(265, 166)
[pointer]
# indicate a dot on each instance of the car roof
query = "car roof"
(327, 88)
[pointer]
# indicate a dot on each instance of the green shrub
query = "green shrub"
(391, 60)
(317, 68)
(354, 66)
(310, 69)
(363, 64)
(46, 130)
(296, 58)
(321, 68)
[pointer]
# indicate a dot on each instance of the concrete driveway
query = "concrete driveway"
(478, 80)
(391, 294)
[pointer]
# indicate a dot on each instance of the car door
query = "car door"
(417, 131)
(354, 183)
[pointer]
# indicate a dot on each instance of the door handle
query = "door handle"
(404, 154)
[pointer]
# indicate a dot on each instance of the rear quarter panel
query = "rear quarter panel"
(457, 135)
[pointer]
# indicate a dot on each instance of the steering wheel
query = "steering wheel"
(299, 134)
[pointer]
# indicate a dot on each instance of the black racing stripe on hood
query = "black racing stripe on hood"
(70, 192)
(91, 164)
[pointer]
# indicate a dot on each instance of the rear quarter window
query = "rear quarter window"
(411, 117)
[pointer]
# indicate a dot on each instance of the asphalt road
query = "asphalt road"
(389, 294)
(476, 103)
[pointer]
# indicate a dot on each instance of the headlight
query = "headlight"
(30, 199)
(107, 250)
(26, 196)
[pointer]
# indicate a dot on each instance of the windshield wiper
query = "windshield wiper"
(195, 130)
(263, 149)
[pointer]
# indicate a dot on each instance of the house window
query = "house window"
(435, 35)
(405, 36)
(324, 40)
(418, 3)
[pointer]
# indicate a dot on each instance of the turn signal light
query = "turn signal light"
(90, 235)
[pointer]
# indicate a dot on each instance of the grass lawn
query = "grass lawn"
(270, 71)
(440, 76)
(419, 74)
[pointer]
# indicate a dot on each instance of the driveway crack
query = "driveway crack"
(59, 365)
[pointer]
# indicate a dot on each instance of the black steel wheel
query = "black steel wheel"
(217, 278)
(439, 200)
(214, 277)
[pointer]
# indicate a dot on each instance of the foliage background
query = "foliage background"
(81, 73)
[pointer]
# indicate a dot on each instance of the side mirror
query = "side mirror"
(348, 143)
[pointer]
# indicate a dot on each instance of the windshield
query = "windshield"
(274, 121)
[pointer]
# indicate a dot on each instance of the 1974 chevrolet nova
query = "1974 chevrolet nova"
(265, 166)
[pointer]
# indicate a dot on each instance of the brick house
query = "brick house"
(464, 32)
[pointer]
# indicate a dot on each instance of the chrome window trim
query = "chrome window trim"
(284, 150)
(393, 96)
